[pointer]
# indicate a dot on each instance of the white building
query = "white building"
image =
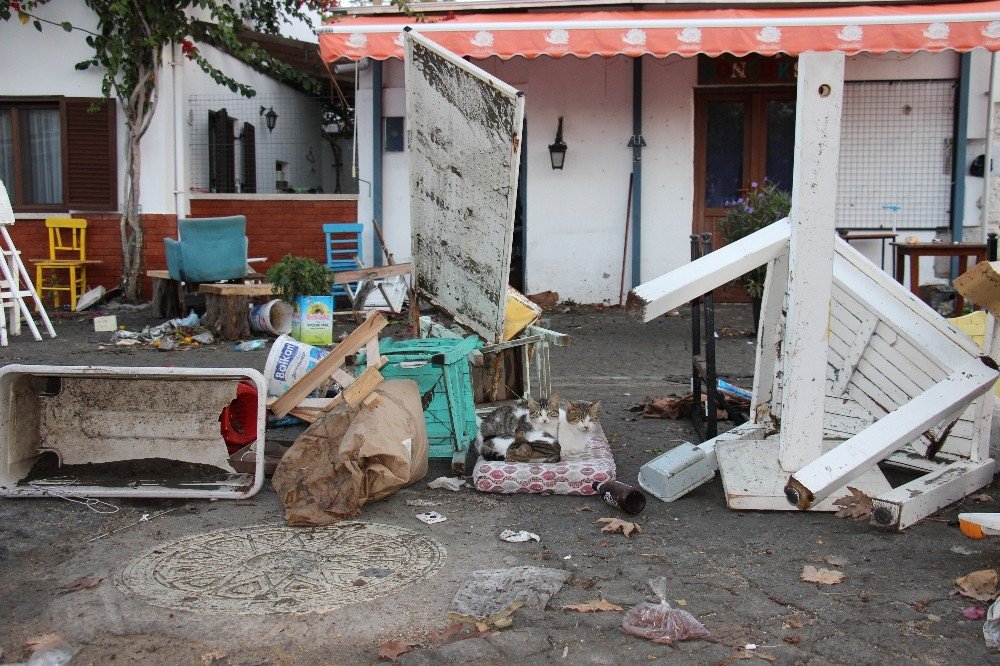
(710, 123)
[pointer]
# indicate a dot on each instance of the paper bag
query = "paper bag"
(352, 456)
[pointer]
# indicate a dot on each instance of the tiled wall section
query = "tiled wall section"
(274, 228)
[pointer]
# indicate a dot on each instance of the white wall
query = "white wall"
(43, 64)
(576, 217)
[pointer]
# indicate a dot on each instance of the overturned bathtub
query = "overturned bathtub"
(128, 432)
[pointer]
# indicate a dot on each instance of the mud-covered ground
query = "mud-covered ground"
(737, 572)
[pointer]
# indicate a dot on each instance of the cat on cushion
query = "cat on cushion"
(507, 433)
(575, 424)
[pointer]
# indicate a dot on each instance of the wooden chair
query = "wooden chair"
(67, 252)
(343, 253)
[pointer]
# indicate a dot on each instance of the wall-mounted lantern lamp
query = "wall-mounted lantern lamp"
(557, 151)
(270, 118)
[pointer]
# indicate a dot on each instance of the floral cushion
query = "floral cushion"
(568, 477)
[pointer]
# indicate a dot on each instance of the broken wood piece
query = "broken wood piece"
(346, 277)
(365, 384)
(371, 400)
(237, 289)
(342, 377)
(308, 403)
(981, 285)
(307, 415)
(322, 370)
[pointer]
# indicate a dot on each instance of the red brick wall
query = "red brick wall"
(277, 227)
(274, 228)
(103, 243)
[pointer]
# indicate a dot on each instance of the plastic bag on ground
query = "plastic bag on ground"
(991, 628)
(659, 622)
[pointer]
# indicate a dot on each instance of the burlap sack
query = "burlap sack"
(352, 456)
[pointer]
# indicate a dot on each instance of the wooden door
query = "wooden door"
(742, 137)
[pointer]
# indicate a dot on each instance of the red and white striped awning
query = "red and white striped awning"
(873, 29)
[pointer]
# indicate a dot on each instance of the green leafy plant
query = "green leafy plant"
(300, 276)
(760, 206)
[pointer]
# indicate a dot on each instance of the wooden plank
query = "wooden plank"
(342, 377)
(366, 382)
(832, 470)
(238, 289)
(864, 332)
(307, 415)
(810, 255)
(322, 370)
(911, 502)
(345, 277)
(307, 403)
(765, 391)
(371, 400)
(668, 292)
(158, 274)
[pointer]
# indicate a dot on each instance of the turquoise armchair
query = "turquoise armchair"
(209, 249)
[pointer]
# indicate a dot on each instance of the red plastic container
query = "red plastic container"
(238, 420)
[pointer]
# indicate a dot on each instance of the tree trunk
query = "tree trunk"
(131, 223)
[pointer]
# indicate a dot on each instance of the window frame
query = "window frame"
(16, 192)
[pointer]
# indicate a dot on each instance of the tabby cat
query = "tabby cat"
(576, 421)
(507, 433)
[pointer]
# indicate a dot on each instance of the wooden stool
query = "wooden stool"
(227, 308)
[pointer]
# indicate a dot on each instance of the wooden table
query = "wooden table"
(869, 235)
(917, 250)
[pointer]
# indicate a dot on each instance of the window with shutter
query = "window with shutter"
(249, 158)
(58, 154)
(221, 152)
(92, 165)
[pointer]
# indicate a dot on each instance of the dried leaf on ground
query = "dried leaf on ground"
(390, 650)
(857, 505)
(84, 583)
(981, 497)
(979, 585)
(617, 525)
(792, 639)
(213, 657)
(795, 623)
(811, 574)
(593, 606)
(836, 560)
(458, 631)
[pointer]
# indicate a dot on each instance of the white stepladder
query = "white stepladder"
(851, 368)
(13, 275)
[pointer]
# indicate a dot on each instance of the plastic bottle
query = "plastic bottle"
(250, 345)
(621, 496)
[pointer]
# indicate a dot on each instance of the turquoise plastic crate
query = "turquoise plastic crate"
(440, 368)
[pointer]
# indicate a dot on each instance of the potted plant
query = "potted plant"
(306, 283)
(760, 206)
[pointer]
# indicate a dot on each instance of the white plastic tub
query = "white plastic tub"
(100, 414)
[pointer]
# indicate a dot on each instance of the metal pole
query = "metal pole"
(961, 135)
(711, 388)
(988, 148)
(377, 157)
(636, 143)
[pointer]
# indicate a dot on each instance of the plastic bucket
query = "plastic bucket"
(273, 317)
(288, 362)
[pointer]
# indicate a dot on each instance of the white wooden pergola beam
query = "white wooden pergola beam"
(667, 292)
(833, 470)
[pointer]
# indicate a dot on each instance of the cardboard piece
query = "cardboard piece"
(352, 456)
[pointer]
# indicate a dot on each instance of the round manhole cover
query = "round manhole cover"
(278, 569)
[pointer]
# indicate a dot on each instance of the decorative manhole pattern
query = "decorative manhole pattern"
(268, 569)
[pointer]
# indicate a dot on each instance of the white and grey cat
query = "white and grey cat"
(508, 433)
(569, 422)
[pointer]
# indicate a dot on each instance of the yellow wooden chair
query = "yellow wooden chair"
(67, 252)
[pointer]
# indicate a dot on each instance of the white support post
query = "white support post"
(814, 195)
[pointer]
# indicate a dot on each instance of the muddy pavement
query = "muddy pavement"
(737, 572)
